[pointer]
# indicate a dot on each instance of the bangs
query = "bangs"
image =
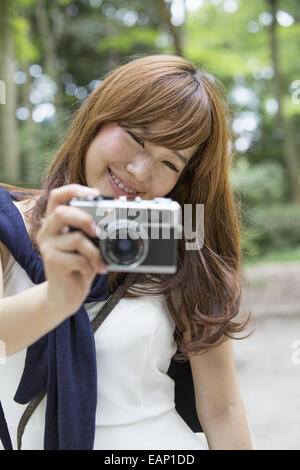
(173, 113)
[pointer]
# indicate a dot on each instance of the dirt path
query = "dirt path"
(269, 376)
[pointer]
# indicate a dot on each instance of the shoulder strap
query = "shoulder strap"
(98, 320)
(113, 300)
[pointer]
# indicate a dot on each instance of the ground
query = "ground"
(268, 362)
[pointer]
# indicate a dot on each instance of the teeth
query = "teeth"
(121, 185)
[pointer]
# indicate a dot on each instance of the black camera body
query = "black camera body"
(135, 235)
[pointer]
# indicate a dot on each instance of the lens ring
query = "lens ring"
(126, 227)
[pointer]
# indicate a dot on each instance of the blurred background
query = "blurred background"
(53, 53)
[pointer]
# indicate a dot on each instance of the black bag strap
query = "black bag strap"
(97, 321)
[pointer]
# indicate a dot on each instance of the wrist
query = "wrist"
(51, 305)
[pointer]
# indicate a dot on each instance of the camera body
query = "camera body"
(135, 235)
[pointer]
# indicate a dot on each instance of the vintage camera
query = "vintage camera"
(135, 235)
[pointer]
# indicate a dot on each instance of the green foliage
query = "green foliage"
(269, 225)
(25, 49)
(127, 40)
(222, 40)
(271, 229)
(282, 256)
(64, 2)
(39, 144)
(25, 3)
(258, 184)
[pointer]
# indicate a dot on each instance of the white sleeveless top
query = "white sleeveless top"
(134, 347)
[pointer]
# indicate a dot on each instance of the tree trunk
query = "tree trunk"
(11, 167)
(289, 142)
(28, 127)
(50, 38)
(174, 30)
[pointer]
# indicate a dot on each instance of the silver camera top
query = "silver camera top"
(110, 201)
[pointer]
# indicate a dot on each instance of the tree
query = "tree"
(50, 22)
(289, 142)
(10, 152)
(174, 30)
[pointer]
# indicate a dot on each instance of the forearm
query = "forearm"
(228, 430)
(26, 317)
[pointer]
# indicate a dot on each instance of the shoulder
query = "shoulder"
(25, 204)
(4, 254)
(23, 207)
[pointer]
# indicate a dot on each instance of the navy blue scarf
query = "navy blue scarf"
(61, 363)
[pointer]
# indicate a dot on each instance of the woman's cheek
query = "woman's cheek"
(164, 187)
(172, 182)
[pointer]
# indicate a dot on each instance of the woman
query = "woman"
(154, 127)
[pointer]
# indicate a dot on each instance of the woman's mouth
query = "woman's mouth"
(119, 187)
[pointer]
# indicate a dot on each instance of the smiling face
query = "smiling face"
(119, 163)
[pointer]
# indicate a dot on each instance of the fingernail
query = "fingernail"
(93, 228)
(102, 268)
(86, 190)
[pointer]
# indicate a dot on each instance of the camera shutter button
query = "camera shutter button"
(162, 199)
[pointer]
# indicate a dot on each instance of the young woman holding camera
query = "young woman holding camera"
(154, 127)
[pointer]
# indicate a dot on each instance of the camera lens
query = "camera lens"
(124, 251)
(123, 247)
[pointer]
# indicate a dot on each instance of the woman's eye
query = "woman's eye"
(170, 165)
(141, 142)
(137, 139)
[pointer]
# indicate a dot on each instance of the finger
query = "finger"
(64, 194)
(65, 263)
(67, 215)
(77, 241)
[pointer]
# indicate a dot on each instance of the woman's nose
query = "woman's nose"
(141, 169)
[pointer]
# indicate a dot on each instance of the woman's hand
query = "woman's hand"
(69, 274)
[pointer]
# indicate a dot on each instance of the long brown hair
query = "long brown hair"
(205, 293)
